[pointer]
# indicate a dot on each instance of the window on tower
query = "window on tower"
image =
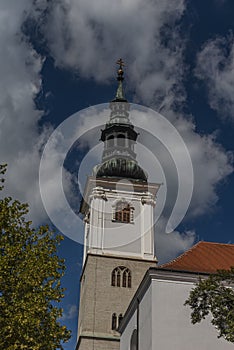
(121, 140)
(114, 322)
(120, 318)
(121, 277)
(110, 141)
(123, 212)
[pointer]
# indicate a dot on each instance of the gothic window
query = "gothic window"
(123, 212)
(121, 277)
(121, 140)
(114, 322)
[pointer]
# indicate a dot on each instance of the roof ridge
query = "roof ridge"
(216, 243)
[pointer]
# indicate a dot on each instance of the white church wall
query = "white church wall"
(145, 321)
(171, 320)
(164, 321)
(126, 336)
(145, 324)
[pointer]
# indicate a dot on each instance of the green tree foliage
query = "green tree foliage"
(215, 295)
(30, 273)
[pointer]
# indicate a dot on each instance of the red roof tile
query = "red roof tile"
(204, 257)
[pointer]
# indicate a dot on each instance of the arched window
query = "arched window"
(114, 322)
(120, 319)
(133, 341)
(110, 141)
(121, 277)
(123, 212)
(121, 140)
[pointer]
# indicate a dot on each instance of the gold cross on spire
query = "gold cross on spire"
(121, 64)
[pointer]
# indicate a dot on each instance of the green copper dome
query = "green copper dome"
(121, 167)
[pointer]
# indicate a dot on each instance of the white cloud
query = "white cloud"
(91, 36)
(215, 65)
(20, 141)
(170, 245)
(211, 165)
(70, 312)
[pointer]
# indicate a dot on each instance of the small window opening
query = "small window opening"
(121, 140)
(110, 141)
(114, 322)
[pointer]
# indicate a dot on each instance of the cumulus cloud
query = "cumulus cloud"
(91, 36)
(20, 141)
(211, 165)
(170, 245)
(215, 66)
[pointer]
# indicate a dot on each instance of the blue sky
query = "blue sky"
(59, 58)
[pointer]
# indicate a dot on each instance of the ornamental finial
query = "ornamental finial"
(120, 94)
(121, 64)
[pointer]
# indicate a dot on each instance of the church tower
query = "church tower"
(118, 207)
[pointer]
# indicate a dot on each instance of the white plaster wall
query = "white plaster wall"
(145, 321)
(165, 322)
(126, 336)
(145, 325)
(172, 328)
(118, 234)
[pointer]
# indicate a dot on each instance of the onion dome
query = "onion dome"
(121, 168)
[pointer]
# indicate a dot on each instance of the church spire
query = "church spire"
(119, 137)
(120, 93)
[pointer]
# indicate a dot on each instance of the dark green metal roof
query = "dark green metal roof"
(121, 167)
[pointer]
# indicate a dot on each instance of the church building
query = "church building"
(157, 317)
(127, 302)
(118, 206)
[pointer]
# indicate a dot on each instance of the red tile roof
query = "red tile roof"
(204, 257)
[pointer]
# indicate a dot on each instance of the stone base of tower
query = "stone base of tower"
(103, 297)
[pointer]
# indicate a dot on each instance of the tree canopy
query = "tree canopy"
(215, 296)
(30, 274)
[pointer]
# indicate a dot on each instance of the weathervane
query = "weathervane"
(121, 64)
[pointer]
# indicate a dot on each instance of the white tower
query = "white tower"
(118, 209)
